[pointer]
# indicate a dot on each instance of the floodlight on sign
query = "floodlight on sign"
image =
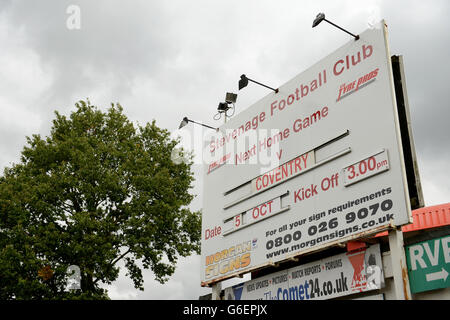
(321, 17)
(230, 97)
(243, 82)
(223, 107)
(185, 121)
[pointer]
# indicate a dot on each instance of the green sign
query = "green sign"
(429, 264)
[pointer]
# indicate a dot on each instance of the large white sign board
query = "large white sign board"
(319, 162)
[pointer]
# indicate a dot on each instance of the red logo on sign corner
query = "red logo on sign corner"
(348, 88)
(359, 281)
(218, 163)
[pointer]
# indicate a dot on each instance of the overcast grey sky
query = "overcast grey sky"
(166, 59)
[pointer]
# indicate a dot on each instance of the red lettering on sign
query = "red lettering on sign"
(211, 233)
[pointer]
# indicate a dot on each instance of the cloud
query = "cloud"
(22, 83)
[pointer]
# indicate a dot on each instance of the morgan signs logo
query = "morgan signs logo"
(234, 258)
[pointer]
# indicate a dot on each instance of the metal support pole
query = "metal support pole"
(399, 267)
(202, 124)
(276, 90)
(216, 290)
(355, 36)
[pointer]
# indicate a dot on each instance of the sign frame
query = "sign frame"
(241, 194)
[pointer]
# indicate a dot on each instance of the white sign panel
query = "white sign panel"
(319, 162)
(328, 278)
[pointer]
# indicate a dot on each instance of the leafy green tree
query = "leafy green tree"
(96, 191)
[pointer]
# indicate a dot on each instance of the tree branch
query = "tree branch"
(120, 257)
(112, 263)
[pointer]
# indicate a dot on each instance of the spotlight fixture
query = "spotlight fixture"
(230, 97)
(223, 107)
(244, 82)
(185, 121)
(321, 17)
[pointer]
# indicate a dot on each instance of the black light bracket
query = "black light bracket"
(185, 121)
(321, 17)
(243, 82)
